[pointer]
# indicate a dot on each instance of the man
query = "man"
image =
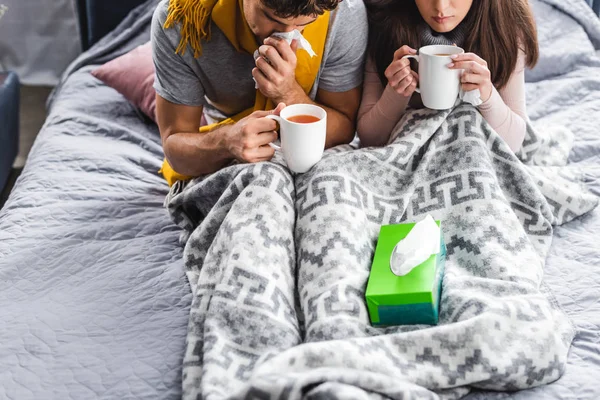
(240, 254)
(203, 53)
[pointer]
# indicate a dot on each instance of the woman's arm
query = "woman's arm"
(506, 110)
(380, 110)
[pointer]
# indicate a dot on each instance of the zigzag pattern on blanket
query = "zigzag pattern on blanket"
(241, 310)
(275, 261)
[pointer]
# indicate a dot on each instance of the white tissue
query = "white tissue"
(421, 242)
(288, 37)
(472, 97)
(302, 42)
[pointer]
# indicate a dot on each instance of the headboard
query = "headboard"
(98, 17)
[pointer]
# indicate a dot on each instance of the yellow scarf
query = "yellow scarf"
(228, 15)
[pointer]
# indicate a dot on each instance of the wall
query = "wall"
(38, 39)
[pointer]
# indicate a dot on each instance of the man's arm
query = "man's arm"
(179, 100)
(188, 151)
(341, 108)
(276, 79)
(192, 153)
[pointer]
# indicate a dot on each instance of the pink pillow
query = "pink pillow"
(132, 75)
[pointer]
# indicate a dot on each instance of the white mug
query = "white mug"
(302, 144)
(439, 85)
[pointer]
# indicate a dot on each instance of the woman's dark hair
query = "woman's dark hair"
(496, 30)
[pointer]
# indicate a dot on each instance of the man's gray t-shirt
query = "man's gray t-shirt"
(220, 79)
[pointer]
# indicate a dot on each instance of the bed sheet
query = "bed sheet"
(93, 298)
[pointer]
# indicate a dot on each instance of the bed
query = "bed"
(94, 301)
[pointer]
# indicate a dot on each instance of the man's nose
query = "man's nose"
(289, 28)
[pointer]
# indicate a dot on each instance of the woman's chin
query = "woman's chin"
(443, 27)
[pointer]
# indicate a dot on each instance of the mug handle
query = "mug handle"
(414, 58)
(280, 121)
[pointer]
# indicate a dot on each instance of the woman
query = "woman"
(499, 38)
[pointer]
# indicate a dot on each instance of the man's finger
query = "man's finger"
(286, 51)
(262, 114)
(265, 153)
(261, 80)
(265, 138)
(278, 109)
(266, 68)
(272, 54)
(264, 159)
(260, 153)
(263, 124)
(260, 140)
(294, 46)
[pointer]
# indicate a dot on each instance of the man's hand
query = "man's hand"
(275, 71)
(248, 140)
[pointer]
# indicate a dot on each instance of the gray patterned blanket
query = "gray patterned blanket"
(278, 266)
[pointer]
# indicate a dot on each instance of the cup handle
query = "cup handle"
(414, 58)
(280, 121)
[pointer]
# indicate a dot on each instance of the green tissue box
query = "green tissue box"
(404, 300)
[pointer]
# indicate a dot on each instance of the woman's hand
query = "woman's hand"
(399, 75)
(476, 74)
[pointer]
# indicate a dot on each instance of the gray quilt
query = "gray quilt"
(94, 302)
(256, 237)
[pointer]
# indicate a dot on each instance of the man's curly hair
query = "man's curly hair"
(296, 8)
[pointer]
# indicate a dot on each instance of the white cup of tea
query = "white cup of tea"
(302, 129)
(439, 85)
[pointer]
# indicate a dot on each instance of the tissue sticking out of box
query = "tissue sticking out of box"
(421, 242)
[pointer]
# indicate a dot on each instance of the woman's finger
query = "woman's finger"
(399, 76)
(467, 87)
(411, 88)
(479, 69)
(404, 51)
(468, 57)
(472, 78)
(396, 67)
(470, 65)
(404, 84)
